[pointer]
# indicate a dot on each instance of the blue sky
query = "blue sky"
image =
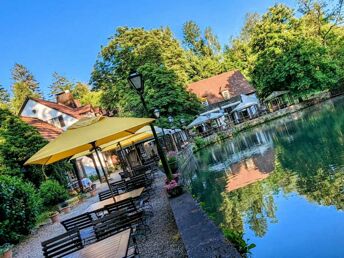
(66, 35)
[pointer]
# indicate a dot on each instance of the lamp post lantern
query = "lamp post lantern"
(136, 81)
(157, 113)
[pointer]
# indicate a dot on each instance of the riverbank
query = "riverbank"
(219, 136)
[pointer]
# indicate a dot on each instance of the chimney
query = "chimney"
(66, 98)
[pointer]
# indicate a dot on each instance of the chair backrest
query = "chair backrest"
(126, 206)
(79, 222)
(62, 245)
(137, 182)
(105, 195)
(118, 186)
(124, 174)
(139, 170)
(114, 223)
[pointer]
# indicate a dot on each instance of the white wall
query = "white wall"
(46, 113)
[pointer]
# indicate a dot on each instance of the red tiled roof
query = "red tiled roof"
(47, 130)
(251, 170)
(211, 88)
(74, 112)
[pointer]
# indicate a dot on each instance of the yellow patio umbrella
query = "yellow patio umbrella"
(125, 141)
(87, 134)
(129, 141)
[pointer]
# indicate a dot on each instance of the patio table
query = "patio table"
(100, 205)
(115, 246)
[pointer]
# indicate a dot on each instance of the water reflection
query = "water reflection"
(237, 182)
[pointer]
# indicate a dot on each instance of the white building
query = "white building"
(52, 118)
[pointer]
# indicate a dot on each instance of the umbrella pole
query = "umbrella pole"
(101, 165)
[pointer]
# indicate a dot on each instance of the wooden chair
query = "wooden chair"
(62, 245)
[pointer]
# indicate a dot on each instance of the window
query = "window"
(225, 94)
(58, 121)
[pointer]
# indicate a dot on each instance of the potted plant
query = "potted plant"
(172, 161)
(6, 251)
(174, 187)
(65, 208)
(54, 216)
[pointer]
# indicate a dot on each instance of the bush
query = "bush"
(19, 208)
(199, 142)
(52, 193)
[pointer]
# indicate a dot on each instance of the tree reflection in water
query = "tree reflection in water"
(236, 181)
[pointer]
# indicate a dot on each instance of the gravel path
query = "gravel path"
(164, 240)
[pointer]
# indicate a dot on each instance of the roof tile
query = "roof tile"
(211, 88)
(48, 131)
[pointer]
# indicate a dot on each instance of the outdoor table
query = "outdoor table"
(115, 246)
(100, 205)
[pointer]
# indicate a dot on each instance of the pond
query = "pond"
(281, 183)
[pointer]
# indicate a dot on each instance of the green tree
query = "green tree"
(201, 45)
(83, 93)
(159, 57)
(24, 85)
(203, 52)
(4, 98)
(238, 55)
(286, 59)
(60, 84)
(321, 17)
(18, 142)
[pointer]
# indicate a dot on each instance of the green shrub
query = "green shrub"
(172, 162)
(199, 142)
(19, 208)
(52, 193)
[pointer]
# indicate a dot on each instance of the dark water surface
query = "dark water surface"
(282, 184)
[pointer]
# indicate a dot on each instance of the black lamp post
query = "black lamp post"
(171, 120)
(182, 122)
(136, 81)
(157, 116)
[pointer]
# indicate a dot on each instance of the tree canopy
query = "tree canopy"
(60, 84)
(164, 65)
(24, 85)
(282, 50)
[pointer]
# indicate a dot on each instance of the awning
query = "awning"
(275, 94)
(204, 118)
(243, 106)
(230, 105)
